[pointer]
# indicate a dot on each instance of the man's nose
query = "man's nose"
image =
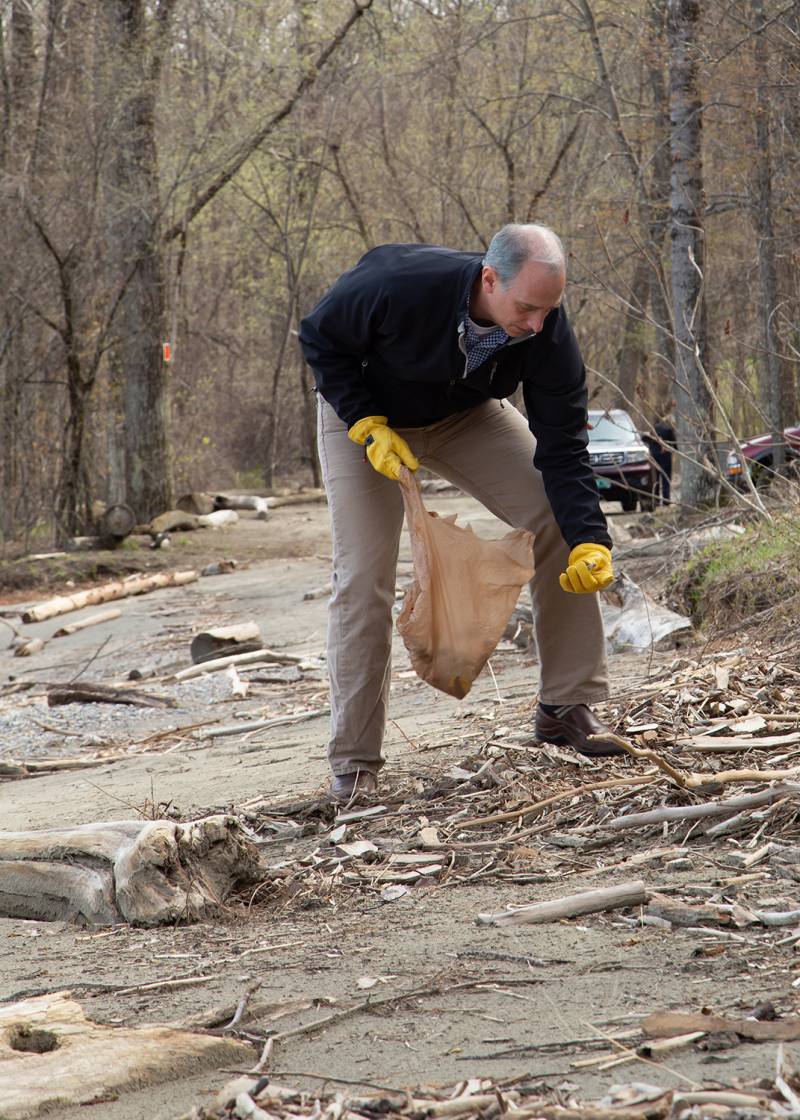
(536, 320)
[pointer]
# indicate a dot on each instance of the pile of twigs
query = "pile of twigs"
(259, 1098)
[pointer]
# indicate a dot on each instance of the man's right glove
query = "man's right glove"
(588, 569)
(386, 450)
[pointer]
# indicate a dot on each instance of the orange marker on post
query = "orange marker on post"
(166, 350)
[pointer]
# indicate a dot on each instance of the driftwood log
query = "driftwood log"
(118, 589)
(52, 1056)
(143, 872)
(587, 902)
(667, 1024)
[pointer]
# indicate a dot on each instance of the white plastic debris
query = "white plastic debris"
(634, 621)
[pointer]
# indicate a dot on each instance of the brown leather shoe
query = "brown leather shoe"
(572, 727)
(352, 787)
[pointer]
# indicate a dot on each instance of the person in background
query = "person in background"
(662, 444)
(414, 351)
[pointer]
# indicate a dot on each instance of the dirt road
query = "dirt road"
(533, 990)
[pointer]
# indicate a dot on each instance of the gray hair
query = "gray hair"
(515, 244)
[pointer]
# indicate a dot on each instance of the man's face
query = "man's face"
(525, 303)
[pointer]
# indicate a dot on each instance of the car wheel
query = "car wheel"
(628, 501)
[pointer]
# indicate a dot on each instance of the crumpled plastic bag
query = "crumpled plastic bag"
(464, 592)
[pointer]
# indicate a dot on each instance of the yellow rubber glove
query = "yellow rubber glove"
(386, 450)
(588, 569)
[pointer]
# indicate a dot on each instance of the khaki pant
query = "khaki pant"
(488, 453)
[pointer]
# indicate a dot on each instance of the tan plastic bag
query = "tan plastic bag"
(463, 594)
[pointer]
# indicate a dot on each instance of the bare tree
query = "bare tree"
(132, 52)
(762, 211)
(687, 202)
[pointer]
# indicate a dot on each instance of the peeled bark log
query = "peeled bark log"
(52, 1056)
(143, 872)
(119, 589)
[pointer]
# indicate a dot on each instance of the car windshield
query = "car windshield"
(605, 429)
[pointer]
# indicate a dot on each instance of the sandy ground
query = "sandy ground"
(539, 985)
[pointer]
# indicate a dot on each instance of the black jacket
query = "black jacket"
(384, 341)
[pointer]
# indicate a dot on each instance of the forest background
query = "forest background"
(180, 181)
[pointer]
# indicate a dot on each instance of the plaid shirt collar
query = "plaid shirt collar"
(481, 346)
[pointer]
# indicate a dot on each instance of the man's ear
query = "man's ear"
(489, 278)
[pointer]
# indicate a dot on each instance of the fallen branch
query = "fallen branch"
(259, 724)
(707, 809)
(698, 781)
(400, 997)
(241, 1006)
(709, 744)
(266, 655)
(587, 902)
(85, 623)
(164, 985)
(16, 768)
(78, 693)
(119, 589)
(536, 806)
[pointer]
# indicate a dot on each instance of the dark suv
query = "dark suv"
(623, 469)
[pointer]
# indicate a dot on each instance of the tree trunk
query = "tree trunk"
(18, 104)
(133, 205)
(21, 100)
(687, 203)
(767, 270)
(633, 351)
(658, 213)
(73, 497)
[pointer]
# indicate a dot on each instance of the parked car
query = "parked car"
(757, 457)
(623, 469)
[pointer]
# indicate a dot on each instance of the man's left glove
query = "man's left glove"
(588, 569)
(386, 450)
